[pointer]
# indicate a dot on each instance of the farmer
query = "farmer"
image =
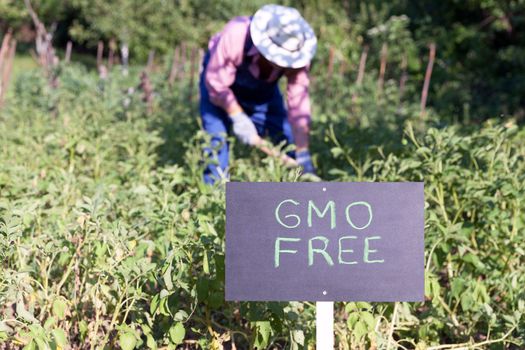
(239, 85)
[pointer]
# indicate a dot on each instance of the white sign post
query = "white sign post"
(324, 325)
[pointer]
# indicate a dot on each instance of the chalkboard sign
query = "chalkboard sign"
(324, 241)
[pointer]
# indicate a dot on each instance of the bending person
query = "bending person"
(239, 85)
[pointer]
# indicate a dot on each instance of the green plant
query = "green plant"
(109, 237)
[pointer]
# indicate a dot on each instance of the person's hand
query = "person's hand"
(304, 160)
(244, 129)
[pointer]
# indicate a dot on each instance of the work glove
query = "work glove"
(244, 128)
(303, 159)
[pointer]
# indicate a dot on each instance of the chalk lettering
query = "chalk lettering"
(347, 212)
(341, 250)
(278, 249)
(329, 206)
(287, 216)
(312, 250)
(367, 250)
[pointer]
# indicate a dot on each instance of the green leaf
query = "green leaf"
(352, 319)
(164, 308)
(369, 319)
(466, 301)
(83, 328)
(474, 260)
(263, 330)
(202, 288)
(30, 346)
(127, 341)
(509, 319)
(181, 315)
(363, 305)
(50, 322)
(215, 299)
(59, 308)
(297, 339)
(360, 330)
(205, 264)
(457, 287)
(164, 293)
(336, 152)
(219, 266)
(150, 342)
(176, 333)
(154, 304)
(41, 343)
(167, 278)
(350, 307)
(60, 337)
(24, 314)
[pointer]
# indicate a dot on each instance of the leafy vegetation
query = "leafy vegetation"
(109, 237)
(479, 71)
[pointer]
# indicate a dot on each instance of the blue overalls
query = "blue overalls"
(262, 101)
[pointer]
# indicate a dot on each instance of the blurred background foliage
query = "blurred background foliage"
(480, 66)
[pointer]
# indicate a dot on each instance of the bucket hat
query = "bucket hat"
(283, 36)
